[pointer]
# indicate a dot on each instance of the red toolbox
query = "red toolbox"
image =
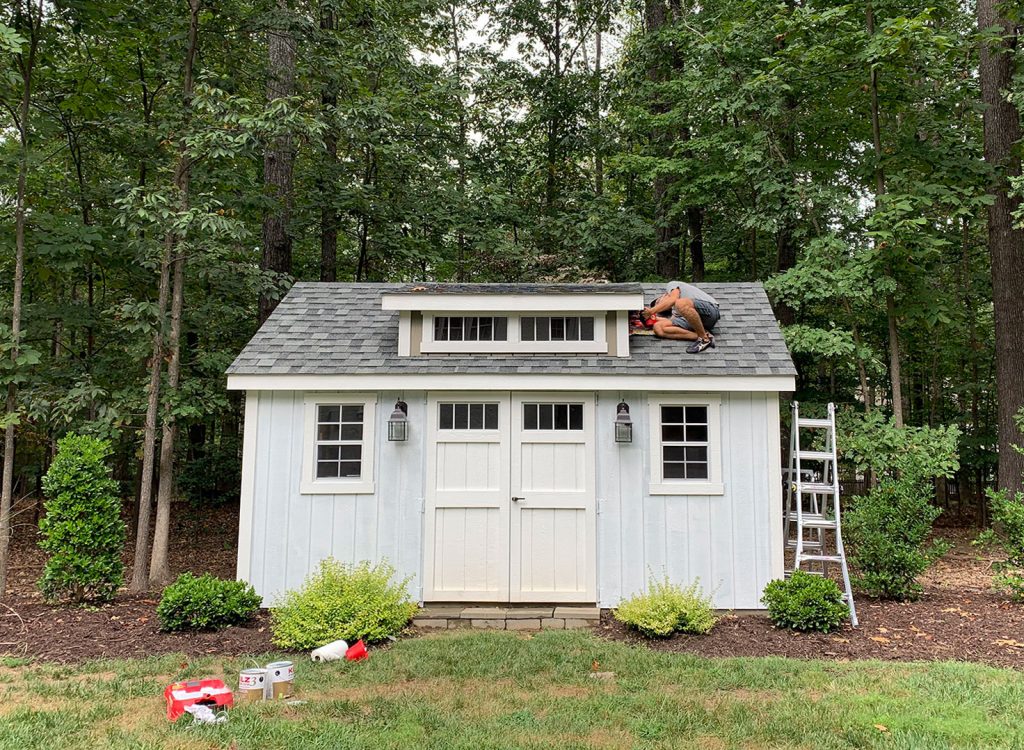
(211, 691)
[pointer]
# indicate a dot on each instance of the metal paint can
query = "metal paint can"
(280, 676)
(252, 685)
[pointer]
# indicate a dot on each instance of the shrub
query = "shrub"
(1008, 533)
(206, 603)
(342, 601)
(82, 531)
(667, 608)
(805, 602)
(887, 533)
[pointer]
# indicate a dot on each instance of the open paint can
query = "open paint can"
(281, 675)
(252, 685)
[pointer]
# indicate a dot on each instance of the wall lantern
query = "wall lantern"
(398, 423)
(623, 424)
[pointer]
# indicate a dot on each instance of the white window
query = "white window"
(338, 445)
(552, 416)
(467, 416)
(558, 328)
(686, 455)
(470, 328)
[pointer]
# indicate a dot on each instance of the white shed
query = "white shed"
(511, 484)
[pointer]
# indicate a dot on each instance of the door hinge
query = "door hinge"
(422, 504)
(600, 506)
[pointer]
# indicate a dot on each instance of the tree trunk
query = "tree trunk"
(598, 119)
(1005, 242)
(328, 213)
(159, 568)
(278, 159)
(33, 20)
(695, 224)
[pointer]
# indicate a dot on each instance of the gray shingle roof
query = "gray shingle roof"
(430, 287)
(339, 328)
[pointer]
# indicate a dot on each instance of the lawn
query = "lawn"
(501, 690)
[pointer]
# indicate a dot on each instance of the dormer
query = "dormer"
(514, 318)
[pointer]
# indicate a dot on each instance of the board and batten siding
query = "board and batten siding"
(731, 542)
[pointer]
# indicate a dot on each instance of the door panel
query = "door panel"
(553, 524)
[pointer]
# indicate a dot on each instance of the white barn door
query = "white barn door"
(552, 519)
(467, 503)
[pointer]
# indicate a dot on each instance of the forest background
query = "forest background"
(168, 169)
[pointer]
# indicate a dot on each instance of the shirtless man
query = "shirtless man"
(694, 314)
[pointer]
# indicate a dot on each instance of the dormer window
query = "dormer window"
(470, 328)
(572, 328)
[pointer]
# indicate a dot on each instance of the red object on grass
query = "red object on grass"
(357, 651)
(181, 695)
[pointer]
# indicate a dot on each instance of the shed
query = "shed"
(467, 434)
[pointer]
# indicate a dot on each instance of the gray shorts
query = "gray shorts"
(709, 315)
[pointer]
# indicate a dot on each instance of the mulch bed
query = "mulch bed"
(958, 618)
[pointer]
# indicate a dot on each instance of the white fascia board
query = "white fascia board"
(514, 382)
(477, 303)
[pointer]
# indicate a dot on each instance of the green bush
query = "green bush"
(887, 534)
(805, 602)
(206, 603)
(342, 601)
(667, 608)
(82, 531)
(1008, 533)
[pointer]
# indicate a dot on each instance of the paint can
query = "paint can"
(280, 676)
(252, 685)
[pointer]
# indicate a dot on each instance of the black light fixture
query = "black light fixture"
(623, 424)
(398, 423)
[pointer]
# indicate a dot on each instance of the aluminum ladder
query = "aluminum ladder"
(812, 504)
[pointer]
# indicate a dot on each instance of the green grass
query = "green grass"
(500, 690)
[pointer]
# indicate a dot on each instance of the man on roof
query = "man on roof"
(694, 314)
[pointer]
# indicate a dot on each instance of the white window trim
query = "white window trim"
(713, 484)
(514, 344)
(361, 485)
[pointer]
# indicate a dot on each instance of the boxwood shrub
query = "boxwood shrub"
(206, 603)
(805, 602)
(667, 608)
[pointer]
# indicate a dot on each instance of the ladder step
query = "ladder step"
(821, 558)
(817, 521)
(818, 573)
(808, 544)
(817, 488)
(815, 455)
(823, 423)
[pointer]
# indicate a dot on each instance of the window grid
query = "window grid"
(684, 442)
(339, 441)
(467, 416)
(560, 328)
(552, 416)
(470, 328)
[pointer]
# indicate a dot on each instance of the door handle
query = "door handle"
(517, 499)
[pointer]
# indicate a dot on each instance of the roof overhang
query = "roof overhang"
(513, 382)
(588, 302)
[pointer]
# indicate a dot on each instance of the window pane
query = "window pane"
(326, 469)
(491, 416)
(328, 452)
(586, 329)
(697, 433)
(529, 416)
(501, 329)
(352, 432)
(543, 328)
(558, 329)
(447, 416)
(671, 414)
(328, 432)
(546, 420)
(441, 329)
(349, 469)
(673, 453)
(352, 413)
(526, 329)
(455, 329)
(328, 413)
(461, 416)
(697, 414)
(486, 329)
(697, 453)
(576, 417)
(674, 471)
(673, 433)
(472, 329)
(351, 452)
(476, 416)
(561, 416)
(696, 471)
(572, 329)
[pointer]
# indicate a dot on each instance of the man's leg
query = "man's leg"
(669, 330)
(686, 310)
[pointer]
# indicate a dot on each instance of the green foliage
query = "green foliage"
(343, 601)
(887, 534)
(213, 478)
(1008, 532)
(206, 603)
(82, 530)
(667, 608)
(918, 454)
(805, 602)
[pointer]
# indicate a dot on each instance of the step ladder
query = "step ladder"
(812, 524)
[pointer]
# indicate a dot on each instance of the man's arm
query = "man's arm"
(664, 302)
